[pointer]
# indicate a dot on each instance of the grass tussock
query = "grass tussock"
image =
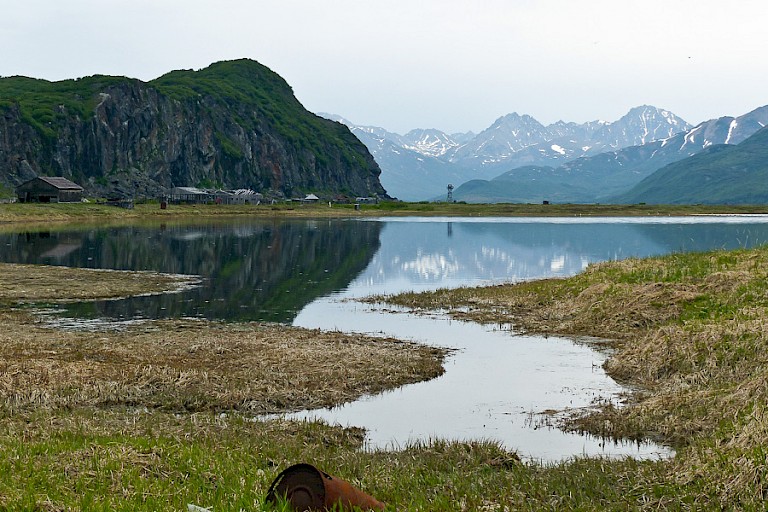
(192, 366)
(688, 329)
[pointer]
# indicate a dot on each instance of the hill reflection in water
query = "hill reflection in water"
(271, 269)
(265, 271)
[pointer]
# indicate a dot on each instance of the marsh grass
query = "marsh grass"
(688, 329)
(122, 459)
(161, 414)
(41, 283)
(192, 366)
(40, 216)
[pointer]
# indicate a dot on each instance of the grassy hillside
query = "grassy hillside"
(530, 184)
(719, 175)
(246, 85)
(234, 124)
(44, 105)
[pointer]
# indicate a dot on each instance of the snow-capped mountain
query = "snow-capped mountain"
(430, 142)
(597, 178)
(413, 164)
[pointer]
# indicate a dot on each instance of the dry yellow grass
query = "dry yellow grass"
(200, 366)
(183, 365)
(44, 283)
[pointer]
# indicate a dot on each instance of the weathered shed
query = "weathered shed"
(44, 189)
(189, 195)
(239, 196)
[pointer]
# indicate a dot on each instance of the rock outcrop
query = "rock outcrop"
(232, 125)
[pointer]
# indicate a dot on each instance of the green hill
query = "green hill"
(721, 174)
(234, 124)
(529, 184)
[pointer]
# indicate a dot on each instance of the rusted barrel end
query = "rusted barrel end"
(307, 488)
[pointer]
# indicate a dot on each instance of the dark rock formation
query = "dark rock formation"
(232, 125)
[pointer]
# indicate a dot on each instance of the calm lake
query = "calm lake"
(303, 272)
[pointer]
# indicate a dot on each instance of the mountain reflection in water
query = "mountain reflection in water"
(271, 269)
(266, 271)
(298, 271)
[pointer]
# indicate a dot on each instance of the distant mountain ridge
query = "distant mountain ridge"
(420, 164)
(599, 178)
(720, 174)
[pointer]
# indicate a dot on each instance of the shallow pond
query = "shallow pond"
(306, 272)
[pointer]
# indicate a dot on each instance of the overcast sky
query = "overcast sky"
(403, 64)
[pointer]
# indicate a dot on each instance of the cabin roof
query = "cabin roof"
(58, 182)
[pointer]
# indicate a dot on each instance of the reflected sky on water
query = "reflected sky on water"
(497, 386)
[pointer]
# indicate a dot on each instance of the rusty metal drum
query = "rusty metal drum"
(307, 488)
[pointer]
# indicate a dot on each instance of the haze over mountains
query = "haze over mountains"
(517, 159)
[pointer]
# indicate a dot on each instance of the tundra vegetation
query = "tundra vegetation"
(158, 414)
(689, 331)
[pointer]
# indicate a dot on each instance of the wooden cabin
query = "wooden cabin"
(44, 189)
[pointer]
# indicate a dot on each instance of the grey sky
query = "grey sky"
(402, 64)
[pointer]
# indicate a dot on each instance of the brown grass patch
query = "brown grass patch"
(44, 283)
(689, 331)
(201, 366)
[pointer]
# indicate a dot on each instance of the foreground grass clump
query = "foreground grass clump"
(132, 459)
(689, 329)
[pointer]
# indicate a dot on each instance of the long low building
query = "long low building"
(195, 195)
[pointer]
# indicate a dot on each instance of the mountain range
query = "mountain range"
(604, 177)
(517, 159)
(720, 174)
(420, 164)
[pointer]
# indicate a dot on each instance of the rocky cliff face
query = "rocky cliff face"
(232, 125)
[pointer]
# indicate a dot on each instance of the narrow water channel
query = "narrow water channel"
(497, 386)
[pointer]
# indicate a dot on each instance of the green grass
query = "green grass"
(149, 210)
(150, 461)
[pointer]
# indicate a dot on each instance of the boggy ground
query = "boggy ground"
(113, 427)
(48, 214)
(67, 396)
(690, 331)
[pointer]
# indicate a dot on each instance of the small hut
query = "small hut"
(44, 189)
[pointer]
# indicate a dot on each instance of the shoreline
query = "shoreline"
(159, 415)
(13, 214)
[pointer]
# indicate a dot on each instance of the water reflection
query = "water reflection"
(421, 254)
(497, 386)
(252, 270)
(297, 272)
